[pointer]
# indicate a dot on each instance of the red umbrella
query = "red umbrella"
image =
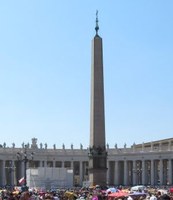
(118, 194)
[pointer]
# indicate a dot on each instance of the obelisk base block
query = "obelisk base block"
(98, 177)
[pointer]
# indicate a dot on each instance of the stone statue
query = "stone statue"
(134, 146)
(54, 146)
(125, 145)
(107, 146)
(45, 145)
(13, 145)
(34, 143)
(28, 145)
(71, 146)
(116, 146)
(63, 146)
(4, 145)
(81, 146)
(41, 145)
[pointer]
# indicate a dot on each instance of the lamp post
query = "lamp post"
(138, 173)
(10, 169)
(23, 156)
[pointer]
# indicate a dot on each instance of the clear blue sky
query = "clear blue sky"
(45, 68)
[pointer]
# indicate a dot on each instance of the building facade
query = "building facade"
(146, 163)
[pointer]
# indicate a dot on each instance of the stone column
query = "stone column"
(72, 165)
(22, 168)
(12, 172)
(152, 172)
(4, 173)
(161, 171)
(116, 173)
(125, 172)
(54, 163)
(45, 163)
(40, 163)
(134, 172)
(108, 173)
(143, 172)
(81, 172)
(170, 172)
(15, 175)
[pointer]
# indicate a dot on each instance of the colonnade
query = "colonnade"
(12, 170)
(137, 172)
(147, 164)
(120, 172)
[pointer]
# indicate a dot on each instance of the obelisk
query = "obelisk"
(97, 149)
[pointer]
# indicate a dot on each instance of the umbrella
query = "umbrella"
(118, 194)
(137, 194)
(138, 187)
(111, 190)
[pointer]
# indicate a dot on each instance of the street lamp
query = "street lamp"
(23, 156)
(10, 169)
(138, 173)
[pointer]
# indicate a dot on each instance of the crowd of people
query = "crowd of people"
(90, 193)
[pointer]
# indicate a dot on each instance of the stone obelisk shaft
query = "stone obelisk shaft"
(97, 150)
(97, 116)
